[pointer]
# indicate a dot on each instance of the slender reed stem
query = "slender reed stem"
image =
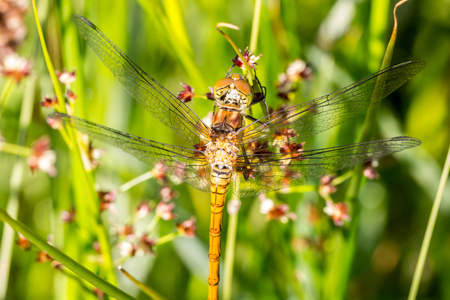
(429, 231)
(167, 238)
(255, 26)
(146, 289)
(230, 249)
(135, 181)
(48, 61)
(15, 149)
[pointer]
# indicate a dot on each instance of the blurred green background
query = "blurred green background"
(176, 41)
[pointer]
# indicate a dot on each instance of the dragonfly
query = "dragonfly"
(251, 156)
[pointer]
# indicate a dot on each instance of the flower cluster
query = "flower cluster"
(248, 57)
(288, 82)
(279, 212)
(42, 158)
(12, 34)
(337, 211)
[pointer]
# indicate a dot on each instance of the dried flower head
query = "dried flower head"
(66, 78)
(143, 210)
(337, 211)
(145, 245)
(249, 58)
(326, 186)
(68, 216)
(369, 170)
(288, 82)
(23, 243)
(165, 210)
(292, 151)
(187, 94)
(210, 95)
(159, 172)
(187, 227)
(12, 27)
(42, 157)
(279, 212)
(48, 101)
(43, 257)
(71, 96)
(14, 66)
(107, 200)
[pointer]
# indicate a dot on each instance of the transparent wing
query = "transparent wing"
(187, 164)
(155, 98)
(273, 171)
(320, 114)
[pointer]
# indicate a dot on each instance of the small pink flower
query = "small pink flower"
(249, 58)
(107, 200)
(210, 95)
(187, 95)
(42, 157)
(126, 230)
(14, 66)
(326, 186)
(165, 210)
(278, 212)
(159, 172)
(187, 227)
(126, 248)
(167, 194)
(145, 245)
(298, 69)
(143, 210)
(48, 101)
(66, 78)
(71, 96)
(68, 216)
(337, 211)
(369, 170)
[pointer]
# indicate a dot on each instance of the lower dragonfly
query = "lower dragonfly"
(254, 157)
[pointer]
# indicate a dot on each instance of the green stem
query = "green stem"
(15, 149)
(146, 289)
(255, 26)
(167, 238)
(128, 185)
(230, 250)
(75, 267)
(429, 231)
(48, 61)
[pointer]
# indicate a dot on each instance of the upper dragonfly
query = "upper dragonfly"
(261, 156)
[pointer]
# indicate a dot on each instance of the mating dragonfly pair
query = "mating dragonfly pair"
(258, 156)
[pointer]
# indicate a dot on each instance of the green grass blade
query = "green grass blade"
(68, 262)
(429, 231)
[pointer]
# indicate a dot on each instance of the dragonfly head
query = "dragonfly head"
(233, 91)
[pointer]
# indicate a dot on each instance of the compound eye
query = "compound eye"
(222, 84)
(244, 88)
